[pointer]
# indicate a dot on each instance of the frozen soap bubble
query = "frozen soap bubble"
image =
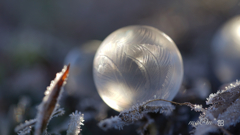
(226, 51)
(80, 80)
(135, 64)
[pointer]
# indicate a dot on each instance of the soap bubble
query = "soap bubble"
(135, 64)
(80, 80)
(226, 50)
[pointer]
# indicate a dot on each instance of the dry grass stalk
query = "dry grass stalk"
(49, 103)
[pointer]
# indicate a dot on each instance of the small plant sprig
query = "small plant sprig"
(26, 127)
(50, 101)
(134, 114)
(76, 121)
(49, 107)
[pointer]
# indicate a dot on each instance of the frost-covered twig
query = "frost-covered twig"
(142, 129)
(134, 114)
(52, 96)
(76, 121)
(27, 126)
(25, 131)
(57, 111)
(197, 108)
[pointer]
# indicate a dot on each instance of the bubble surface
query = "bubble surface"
(135, 64)
(226, 51)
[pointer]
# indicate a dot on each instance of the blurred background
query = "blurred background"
(38, 37)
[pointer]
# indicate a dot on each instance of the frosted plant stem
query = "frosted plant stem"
(195, 107)
(76, 121)
(185, 103)
(50, 101)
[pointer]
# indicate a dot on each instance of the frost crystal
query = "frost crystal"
(26, 127)
(76, 121)
(115, 122)
(25, 131)
(197, 108)
(231, 90)
(57, 112)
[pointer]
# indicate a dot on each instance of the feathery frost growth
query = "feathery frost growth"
(26, 127)
(25, 131)
(76, 120)
(134, 114)
(57, 112)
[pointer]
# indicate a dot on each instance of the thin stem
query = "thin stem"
(185, 103)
